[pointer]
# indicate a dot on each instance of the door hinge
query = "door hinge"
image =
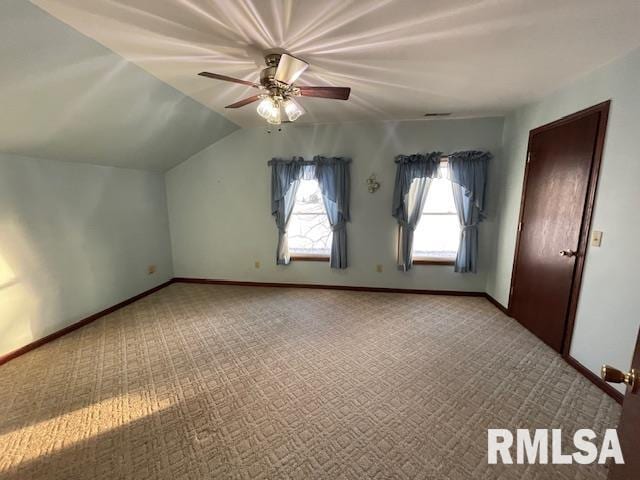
(528, 157)
(520, 226)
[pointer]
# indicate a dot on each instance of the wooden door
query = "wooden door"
(562, 164)
(629, 427)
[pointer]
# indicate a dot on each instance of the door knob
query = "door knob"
(567, 253)
(613, 375)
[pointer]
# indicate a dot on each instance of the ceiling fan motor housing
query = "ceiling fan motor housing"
(267, 76)
(272, 59)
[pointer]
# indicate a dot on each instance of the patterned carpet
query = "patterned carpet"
(203, 382)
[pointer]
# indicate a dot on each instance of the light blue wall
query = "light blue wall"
(607, 318)
(220, 216)
(74, 239)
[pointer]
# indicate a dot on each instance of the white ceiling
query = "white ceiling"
(401, 58)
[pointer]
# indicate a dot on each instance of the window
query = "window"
(437, 235)
(309, 231)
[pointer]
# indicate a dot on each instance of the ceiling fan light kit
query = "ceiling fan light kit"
(269, 109)
(293, 109)
(277, 83)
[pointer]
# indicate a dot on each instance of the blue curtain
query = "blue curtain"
(413, 177)
(285, 179)
(333, 176)
(468, 175)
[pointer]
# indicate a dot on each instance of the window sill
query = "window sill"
(434, 261)
(309, 258)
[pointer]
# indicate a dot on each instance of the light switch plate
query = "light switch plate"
(596, 238)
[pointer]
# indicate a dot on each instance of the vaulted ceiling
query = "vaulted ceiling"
(64, 96)
(401, 58)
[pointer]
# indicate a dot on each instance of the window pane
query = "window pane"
(309, 230)
(440, 197)
(438, 233)
(437, 236)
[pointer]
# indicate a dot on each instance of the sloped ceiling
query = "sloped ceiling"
(401, 58)
(64, 96)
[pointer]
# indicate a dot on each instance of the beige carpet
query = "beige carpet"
(199, 381)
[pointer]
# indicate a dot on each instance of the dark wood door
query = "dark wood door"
(629, 429)
(560, 167)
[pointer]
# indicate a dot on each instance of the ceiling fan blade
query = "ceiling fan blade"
(338, 93)
(289, 69)
(217, 76)
(244, 102)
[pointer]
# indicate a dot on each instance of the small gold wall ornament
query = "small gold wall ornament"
(372, 183)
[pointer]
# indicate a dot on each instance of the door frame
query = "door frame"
(585, 228)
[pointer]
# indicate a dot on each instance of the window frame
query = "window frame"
(432, 260)
(309, 257)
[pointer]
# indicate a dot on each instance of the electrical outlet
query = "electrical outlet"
(379, 268)
(151, 269)
(256, 264)
(596, 238)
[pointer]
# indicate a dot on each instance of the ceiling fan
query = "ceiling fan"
(278, 89)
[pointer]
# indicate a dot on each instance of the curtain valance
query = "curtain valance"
(284, 173)
(410, 167)
(469, 170)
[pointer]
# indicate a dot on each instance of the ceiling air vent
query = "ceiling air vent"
(437, 114)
